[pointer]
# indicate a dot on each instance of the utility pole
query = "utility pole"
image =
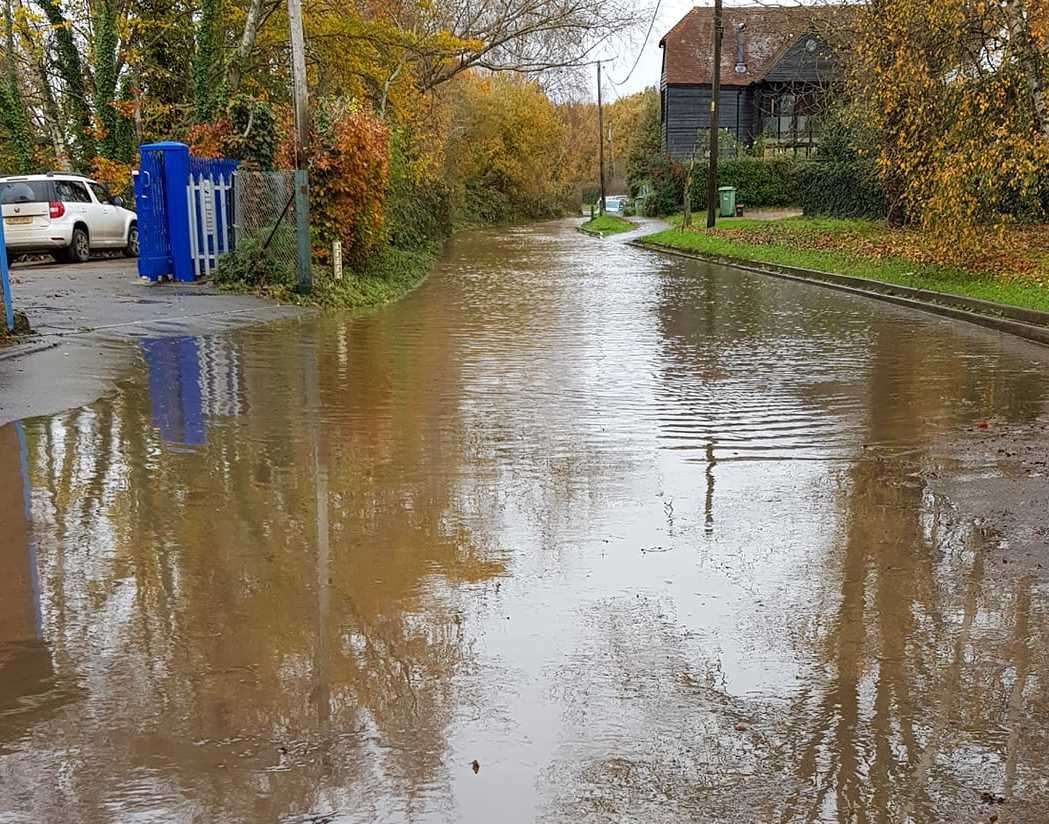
(600, 138)
(302, 139)
(715, 93)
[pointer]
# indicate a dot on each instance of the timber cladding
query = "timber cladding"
(776, 61)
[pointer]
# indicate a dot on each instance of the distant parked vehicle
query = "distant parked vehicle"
(66, 215)
(615, 204)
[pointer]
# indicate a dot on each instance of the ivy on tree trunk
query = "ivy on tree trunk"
(208, 73)
(14, 115)
(105, 74)
(72, 72)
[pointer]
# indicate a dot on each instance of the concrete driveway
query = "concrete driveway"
(84, 316)
(107, 294)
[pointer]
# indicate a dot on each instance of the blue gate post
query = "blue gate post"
(5, 283)
(175, 161)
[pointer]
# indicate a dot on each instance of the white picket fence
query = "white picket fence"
(209, 220)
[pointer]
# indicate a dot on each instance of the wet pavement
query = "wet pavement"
(82, 315)
(573, 533)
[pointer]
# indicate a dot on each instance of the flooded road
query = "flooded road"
(573, 533)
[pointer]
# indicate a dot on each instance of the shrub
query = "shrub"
(349, 175)
(249, 265)
(667, 185)
(759, 183)
(841, 188)
(418, 206)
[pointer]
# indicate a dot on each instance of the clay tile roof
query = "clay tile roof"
(770, 30)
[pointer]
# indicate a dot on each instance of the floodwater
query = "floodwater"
(573, 533)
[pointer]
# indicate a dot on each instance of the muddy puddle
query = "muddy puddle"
(573, 533)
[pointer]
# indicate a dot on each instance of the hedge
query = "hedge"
(760, 184)
(840, 188)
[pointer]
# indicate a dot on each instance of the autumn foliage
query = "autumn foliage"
(957, 92)
(349, 165)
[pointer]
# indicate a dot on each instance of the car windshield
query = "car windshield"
(25, 191)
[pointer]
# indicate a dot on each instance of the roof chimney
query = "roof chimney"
(741, 48)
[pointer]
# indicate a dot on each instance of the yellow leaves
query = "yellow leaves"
(506, 135)
(958, 140)
(113, 174)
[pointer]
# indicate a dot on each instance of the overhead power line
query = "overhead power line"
(648, 34)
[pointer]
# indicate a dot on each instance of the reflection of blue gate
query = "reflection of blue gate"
(174, 389)
(185, 212)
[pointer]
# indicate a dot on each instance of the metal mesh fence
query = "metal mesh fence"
(264, 213)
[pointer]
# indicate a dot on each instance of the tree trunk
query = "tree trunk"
(1031, 59)
(247, 44)
(105, 75)
(14, 114)
(72, 72)
(52, 114)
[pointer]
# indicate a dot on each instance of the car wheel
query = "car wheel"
(131, 249)
(79, 250)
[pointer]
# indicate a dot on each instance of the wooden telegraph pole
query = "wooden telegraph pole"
(600, 139)
(715, 93)
(302, 139)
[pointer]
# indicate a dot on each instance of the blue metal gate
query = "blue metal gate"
(154, 256)
(185, 215)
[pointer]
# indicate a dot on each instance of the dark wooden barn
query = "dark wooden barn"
(776, 65)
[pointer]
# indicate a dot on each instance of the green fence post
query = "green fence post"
(302, 230)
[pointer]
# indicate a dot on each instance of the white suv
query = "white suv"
(65, 215)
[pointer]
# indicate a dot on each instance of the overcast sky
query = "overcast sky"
(647, 71)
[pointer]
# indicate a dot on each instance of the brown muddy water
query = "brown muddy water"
(574, 533)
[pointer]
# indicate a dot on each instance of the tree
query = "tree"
(208, 63)
(71, 72)
(955, 90)
(13, 109)
(105, 78)
(444, 38)
(503, 154)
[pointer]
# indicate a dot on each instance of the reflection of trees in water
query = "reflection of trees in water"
(907, 725)
(186, 589)
(920, 697)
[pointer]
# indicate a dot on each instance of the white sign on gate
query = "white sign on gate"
(208, 207)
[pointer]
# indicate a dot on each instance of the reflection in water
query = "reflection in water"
(28, 689)
(190, 380)
(481, 525)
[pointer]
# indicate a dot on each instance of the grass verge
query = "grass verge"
(607, 225)
(389, 274)
(863, 249)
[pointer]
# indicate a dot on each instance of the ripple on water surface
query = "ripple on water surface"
(574, 532)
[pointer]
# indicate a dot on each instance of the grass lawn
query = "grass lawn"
(1012, 268)
(608, 225)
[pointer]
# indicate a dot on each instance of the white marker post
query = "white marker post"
(336, 258)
